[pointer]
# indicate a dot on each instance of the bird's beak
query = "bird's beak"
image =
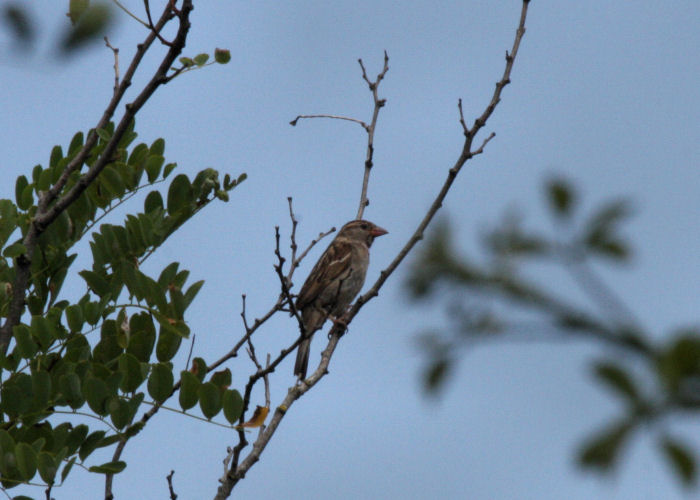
(378, 231)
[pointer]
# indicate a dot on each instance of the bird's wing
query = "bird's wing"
(334, 262)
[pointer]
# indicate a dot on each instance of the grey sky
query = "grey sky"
(605, 93)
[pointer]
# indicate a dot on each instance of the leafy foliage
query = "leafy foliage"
(57, 363)
(485, 300)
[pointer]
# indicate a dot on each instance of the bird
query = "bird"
(333, 283)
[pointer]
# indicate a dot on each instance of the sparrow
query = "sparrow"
(334, 282)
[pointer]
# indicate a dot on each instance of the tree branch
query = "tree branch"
(50, 206)
(238, 471)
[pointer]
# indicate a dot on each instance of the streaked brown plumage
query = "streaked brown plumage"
(334, 282)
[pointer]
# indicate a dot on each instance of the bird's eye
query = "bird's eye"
(364, 226)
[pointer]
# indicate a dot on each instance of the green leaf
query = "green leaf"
(43, 331)
(142, 338)
(179, 195)
(74, 317)
(56, 156)
(69, 385)
(189, 385)
(76, 143)
(168, 168)
(27, 199)
(153, 166)
(90, 444)
(133, 375)
(96, 393)
(41, 387)
(160, 383)
(20, 185)
(77, 438)
(154, 202)
(109, 467)
(192, 292)
(103, 134)
(186, 61)
(199, 368)
(209, 399)
(201, 59)
(602, 450)
(47, 467)
(14, 250)
(26, 460)
(67, 468)
(169, 342)
(233, 405)
(119, 412)
(167, 275)
(680, 458)
(26, 347)
(158, 147)
(113, 181)
(44, 182)
(96, 282)
(221, 379)
(222, 56)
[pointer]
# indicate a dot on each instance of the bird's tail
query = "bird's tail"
(302, 363)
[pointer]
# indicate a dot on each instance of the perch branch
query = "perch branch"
(238, 471)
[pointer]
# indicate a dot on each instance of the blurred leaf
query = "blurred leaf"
(599, 232)
(435, 375)
(603, 449)
(18, 20)
(88, 24)
(561, 196)
(618, 379)
(680, 458)
(76, 8)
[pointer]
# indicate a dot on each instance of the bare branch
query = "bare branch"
(378, 104)
(293, 123)
(171, 490)
(115, 51)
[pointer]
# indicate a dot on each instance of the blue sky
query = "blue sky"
(605, 93)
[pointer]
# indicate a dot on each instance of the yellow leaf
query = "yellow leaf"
(258, 418)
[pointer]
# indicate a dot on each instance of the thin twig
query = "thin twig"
(293, 123)
(378, 104)
(155, 30)
(115, 51)
(169, 477)
(189, 354)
